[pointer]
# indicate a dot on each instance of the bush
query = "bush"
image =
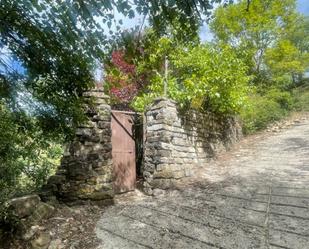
(27, 158)
(283, 98)
(203, 77)
(263, 110)
(301, 98)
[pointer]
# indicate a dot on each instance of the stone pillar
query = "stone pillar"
(85, 173)
(160, 168)
(179, 142)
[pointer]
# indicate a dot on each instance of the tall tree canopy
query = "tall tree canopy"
(261, 26)
(57, 43)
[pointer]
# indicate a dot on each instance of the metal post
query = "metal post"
(165, 76)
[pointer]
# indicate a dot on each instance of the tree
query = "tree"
(27, 157)
(252, 31)
(204, 77)
(298, 34)
(298, 37)
(285, 59)
(129, 66)
(57, 42)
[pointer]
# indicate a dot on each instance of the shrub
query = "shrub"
(27, 158)
(301, 98)
(203, 77)
(283, 98)
(265, 109)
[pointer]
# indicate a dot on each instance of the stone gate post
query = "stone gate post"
(180, 142)
(85, 173)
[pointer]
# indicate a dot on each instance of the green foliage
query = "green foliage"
(271, 38)
(203, 77)
(265, 109)
(285, 59)
(301, 96)
(266, 36)
(8, 151)
(260, 112)
(283, 98)
(26, 157)
(58, 43)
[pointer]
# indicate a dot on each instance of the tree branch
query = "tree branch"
(248, 5)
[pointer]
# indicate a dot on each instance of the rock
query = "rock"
(24, 206)
(43, 211)
(30, 232)
(56, 244)
(42, 241)
(158, 192)
(56, 179)
(101, 195)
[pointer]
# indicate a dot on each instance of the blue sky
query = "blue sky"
(303, 6)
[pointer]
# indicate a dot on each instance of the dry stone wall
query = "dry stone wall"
(86, 167)
(177, 143)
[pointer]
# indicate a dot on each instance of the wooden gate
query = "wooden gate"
(123, 151)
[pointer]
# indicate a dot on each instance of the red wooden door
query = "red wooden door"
(123, 151)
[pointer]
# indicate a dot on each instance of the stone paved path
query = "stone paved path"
(257, 197)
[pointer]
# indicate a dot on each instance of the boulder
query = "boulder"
(41, 241)
(43, 211)
(23, 206)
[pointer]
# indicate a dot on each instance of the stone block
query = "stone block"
(23, 206)
(42, 241)
(85, 132)
(88, 124)
(101, 195)
(161, 183)
(56, 179)
(164, 173)
(104, 124)
(103, 116)
(42, 211)
(178, 174)
(80, 168)
(30, 232)
(104, 110)
(157, 127)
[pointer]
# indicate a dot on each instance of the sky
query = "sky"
(303, 6)
(205, 34)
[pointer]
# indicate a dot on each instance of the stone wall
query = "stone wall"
(177, 143)
(86, 167)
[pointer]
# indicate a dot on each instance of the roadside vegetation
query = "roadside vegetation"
(254, 67)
